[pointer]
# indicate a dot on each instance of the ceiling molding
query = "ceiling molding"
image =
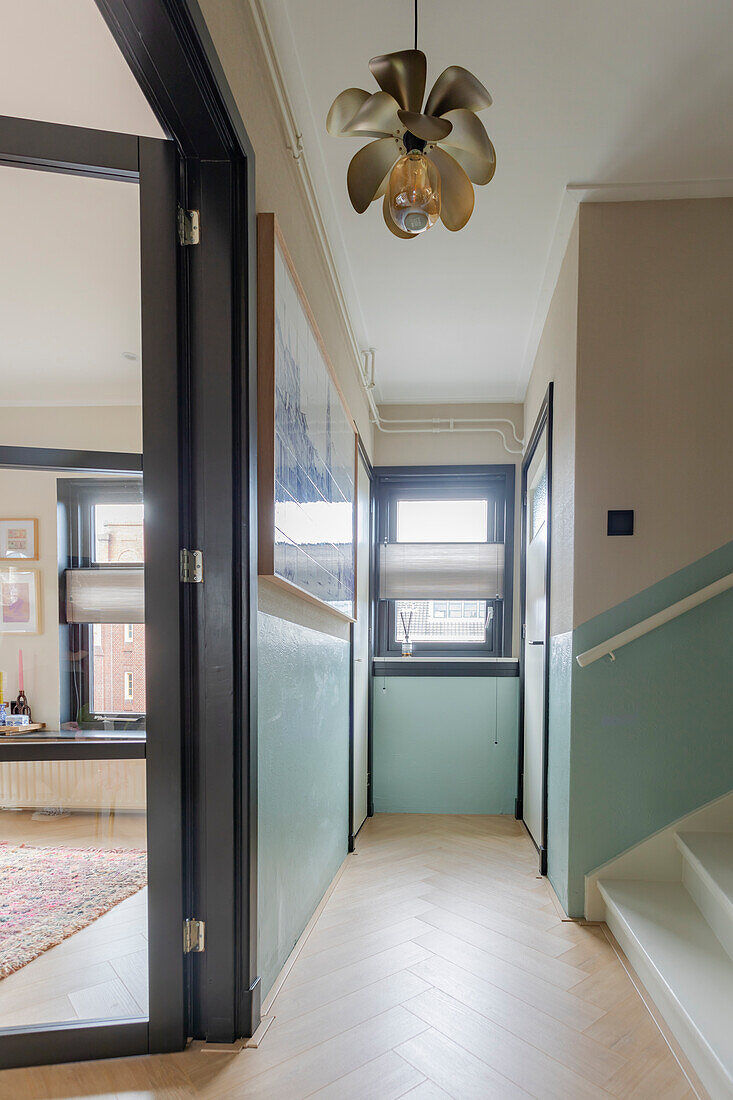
(294, 143)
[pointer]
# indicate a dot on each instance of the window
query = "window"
(445, 560)
(103, 585)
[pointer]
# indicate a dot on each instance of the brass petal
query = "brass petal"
(367, 170)
(343, 109)
(391, 224)
(402, 74)
(378, 115)
(425, 126)
(477, 169)
(471, 146)
(457, 198)
(456, 88)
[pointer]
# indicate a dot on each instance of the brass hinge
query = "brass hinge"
(192, 567)
(188, 226)
(194, 936)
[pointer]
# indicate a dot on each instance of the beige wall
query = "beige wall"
(280, 189)
(83, 428)
(655, 392)
(556, 362)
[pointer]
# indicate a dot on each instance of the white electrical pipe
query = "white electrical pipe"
(483, 423)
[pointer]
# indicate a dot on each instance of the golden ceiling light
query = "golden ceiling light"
(422, 163)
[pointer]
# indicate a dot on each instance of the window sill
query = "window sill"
(445, 666)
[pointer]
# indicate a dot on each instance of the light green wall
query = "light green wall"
(303, 758)
(651, 733)
(434, 750)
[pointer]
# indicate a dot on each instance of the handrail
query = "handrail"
(609, 647)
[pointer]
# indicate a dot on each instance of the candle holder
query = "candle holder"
(21, 705)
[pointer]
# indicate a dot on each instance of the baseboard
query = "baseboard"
(302, 940)
(680, 1057)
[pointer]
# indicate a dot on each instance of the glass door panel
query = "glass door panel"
(73, 884)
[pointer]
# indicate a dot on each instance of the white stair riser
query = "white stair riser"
(703, 1060)
(713, 905)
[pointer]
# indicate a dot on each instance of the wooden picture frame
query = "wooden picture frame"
(18, 539)
(307, 442)
(20, 600)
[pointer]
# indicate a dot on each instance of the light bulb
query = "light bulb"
(414, 193)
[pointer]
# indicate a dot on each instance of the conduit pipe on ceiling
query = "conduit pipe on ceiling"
(433, 424)
(294, 143)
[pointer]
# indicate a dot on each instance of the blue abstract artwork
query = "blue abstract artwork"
(314, 458)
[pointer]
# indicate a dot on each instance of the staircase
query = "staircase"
(678, 936)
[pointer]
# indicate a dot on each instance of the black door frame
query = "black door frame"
(168, 48)
(543, 421)
(361, 453)
(151, 164)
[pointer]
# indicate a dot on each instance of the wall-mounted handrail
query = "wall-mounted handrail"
(609, 647)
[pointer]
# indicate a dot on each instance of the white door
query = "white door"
(361, 648)
(535, 549)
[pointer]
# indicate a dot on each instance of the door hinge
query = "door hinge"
(192, 567)
(188, 226)
(194, 936)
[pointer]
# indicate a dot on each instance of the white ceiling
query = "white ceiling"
(70, 253)
(635, 91)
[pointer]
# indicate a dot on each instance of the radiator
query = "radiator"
(95, 785)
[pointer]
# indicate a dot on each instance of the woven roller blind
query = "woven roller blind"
(105, 595)
(441, 570)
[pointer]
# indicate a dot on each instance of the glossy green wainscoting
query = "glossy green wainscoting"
(303, 780)
(651, 733)
(434, 744)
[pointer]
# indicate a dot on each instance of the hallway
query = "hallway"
(438, 967)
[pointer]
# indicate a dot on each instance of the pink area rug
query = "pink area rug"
(47, 894)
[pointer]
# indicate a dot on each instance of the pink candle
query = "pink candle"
(20, 670)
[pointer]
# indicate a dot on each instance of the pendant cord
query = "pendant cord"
(415, 24)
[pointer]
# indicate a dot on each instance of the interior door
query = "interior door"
(361, 674)
(91, 806)
(534, 641)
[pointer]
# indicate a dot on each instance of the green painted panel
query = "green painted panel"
(652, 731)
(303, 760)
(434, 744)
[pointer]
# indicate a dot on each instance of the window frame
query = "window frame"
(77, 498)
(494, 482)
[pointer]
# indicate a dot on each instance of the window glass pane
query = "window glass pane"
(429, 623)
(118, 671)
(442, 520)
(118, 533)
(73, 916)
(539, 505)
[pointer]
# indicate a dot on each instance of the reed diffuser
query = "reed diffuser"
(406, 617)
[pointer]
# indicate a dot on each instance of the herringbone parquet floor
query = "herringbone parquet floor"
(438, 968)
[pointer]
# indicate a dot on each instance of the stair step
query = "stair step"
(707, 872)
(685, 969)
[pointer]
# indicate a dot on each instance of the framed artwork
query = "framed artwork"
(20, 600)
(18, 539)
(306, 441)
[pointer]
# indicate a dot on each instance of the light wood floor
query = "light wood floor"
(438, 968)
(100, 972)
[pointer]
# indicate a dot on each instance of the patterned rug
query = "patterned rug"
(47, 894)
